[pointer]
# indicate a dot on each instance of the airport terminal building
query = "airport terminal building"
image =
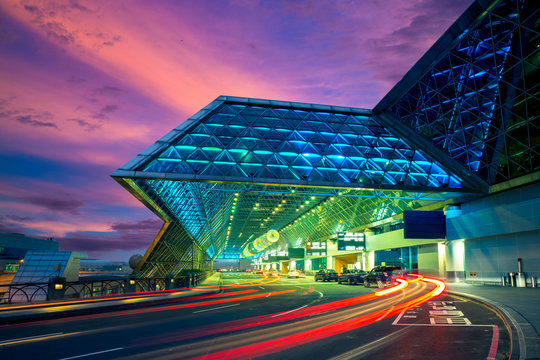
(442, 175)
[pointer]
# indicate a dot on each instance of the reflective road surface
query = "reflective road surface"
(256, 316)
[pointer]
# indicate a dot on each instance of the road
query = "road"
(274, 318)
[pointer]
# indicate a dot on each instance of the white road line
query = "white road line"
(90, 354)
(320, 293)
(398, 318)
(268, 294)
(260, 287)
(30, 337)
(290, 311)
(216, 308)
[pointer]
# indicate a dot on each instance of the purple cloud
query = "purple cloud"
(145, 226)
(133, 237)
(28, 119)
(62, 204)
(87, 126)
(109, 108)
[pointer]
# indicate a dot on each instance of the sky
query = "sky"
(86, 85)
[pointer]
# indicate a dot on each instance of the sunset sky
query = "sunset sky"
(86, 85)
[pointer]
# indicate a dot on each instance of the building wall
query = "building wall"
(497, 230)
(487, 259)
(512, 211)
(428, 259)
(454, 260)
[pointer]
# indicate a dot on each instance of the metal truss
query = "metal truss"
(479, 99)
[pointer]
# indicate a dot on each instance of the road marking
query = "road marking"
(216, 308)
(260, 287)
(90, 354)
(320, 293)
(398, 318)
(268, 294)
(290, 311)
(494, 343)
(6, 342)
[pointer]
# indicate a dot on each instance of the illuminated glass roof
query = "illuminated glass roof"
(241, 167)
(249, 143)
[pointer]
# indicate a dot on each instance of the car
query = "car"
(352, 277)
(326, 275)
(294, 273)
(382, 276)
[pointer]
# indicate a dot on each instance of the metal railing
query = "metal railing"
(38, 292)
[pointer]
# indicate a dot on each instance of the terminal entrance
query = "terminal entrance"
(350, 261)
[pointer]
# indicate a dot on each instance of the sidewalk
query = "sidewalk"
(34, 312)
(520, 307)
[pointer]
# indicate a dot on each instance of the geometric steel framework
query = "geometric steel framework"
(463, 118)
(476, 93)
(241, 167)
(302, 145)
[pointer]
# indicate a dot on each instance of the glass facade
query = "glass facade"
(318, 264)
(480, 101)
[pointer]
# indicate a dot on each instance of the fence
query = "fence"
(36, 292)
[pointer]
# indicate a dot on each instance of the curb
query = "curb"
(518, 327)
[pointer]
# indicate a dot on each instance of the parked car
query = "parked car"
(294, 273)
(352, 277)
(326, 275)
(382, 275)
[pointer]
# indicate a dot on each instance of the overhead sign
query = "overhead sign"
(316, 248)
(351, 241)
(296, 253)
(278, 255)
(424, 224)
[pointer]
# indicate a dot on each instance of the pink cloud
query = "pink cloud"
(89, 84)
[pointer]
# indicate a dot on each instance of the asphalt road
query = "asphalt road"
(274, 319)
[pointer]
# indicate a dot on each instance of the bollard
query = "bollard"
(512, 279)
(503, 280)
(521, 280)
(533, 281)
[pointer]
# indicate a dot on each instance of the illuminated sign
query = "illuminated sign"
(316, 248)
(278, 255)
(351, 241)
